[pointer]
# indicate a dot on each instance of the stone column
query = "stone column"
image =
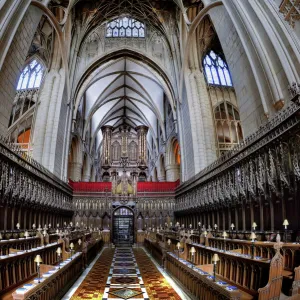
(172, 172)
(106, 153)
(86, 176)
(49, 130)
(76, 171)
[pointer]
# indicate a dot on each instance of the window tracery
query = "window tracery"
(31, 76)
(125, 27)
(228, 126)
(216, 70)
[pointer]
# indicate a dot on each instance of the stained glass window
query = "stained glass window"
(125, 27)
(216, 70)
(31, 76)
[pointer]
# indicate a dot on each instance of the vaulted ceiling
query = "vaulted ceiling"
(151, 12)
(124, 91)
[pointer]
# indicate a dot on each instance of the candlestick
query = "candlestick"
(59, 252)
(192, 251)
(285, 223)
(252, 238)
(71, 247)
(215, 260)
(178, 247)
(169, 242)
(38, 260)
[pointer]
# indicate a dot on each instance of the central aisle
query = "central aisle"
(124, 274)
(124, 280)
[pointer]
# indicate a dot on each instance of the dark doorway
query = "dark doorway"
(123, 227)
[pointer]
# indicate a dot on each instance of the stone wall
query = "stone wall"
(14, 62)
(250, 106)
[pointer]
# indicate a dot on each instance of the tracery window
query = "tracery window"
(31, 76)
(27, 90)
(228, 126)
(125, 27)
(216, 70)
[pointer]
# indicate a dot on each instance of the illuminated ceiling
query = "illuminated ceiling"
(124, 91)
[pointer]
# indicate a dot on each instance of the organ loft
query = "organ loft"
(149, 149)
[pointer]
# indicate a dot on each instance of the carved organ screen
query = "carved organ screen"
(125, 27)
(132, 151)
(116, 151)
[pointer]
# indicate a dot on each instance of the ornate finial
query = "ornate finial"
(278, 244)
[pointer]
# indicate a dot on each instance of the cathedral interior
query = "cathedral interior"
(149, 149)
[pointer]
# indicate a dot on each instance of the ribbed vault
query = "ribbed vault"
(124, 91)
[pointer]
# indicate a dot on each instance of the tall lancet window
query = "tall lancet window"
(224, 102)
(26, 97)
(216, 70)
(228, 126)
(125, 27)
(27, 89)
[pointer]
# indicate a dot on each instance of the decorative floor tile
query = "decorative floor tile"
(123, 264)
(125, 293)
(124, 271)
(125, 280)
(119, 276)
(156, 285)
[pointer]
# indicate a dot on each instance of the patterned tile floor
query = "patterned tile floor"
(93, 285)
(155, 283)
(124, 274)
(124, 280)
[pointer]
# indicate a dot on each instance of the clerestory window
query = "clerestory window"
(125, 27)
(216, 70)
(31, 76)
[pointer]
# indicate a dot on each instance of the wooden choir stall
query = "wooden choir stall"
(45, 266)
(242, 270)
